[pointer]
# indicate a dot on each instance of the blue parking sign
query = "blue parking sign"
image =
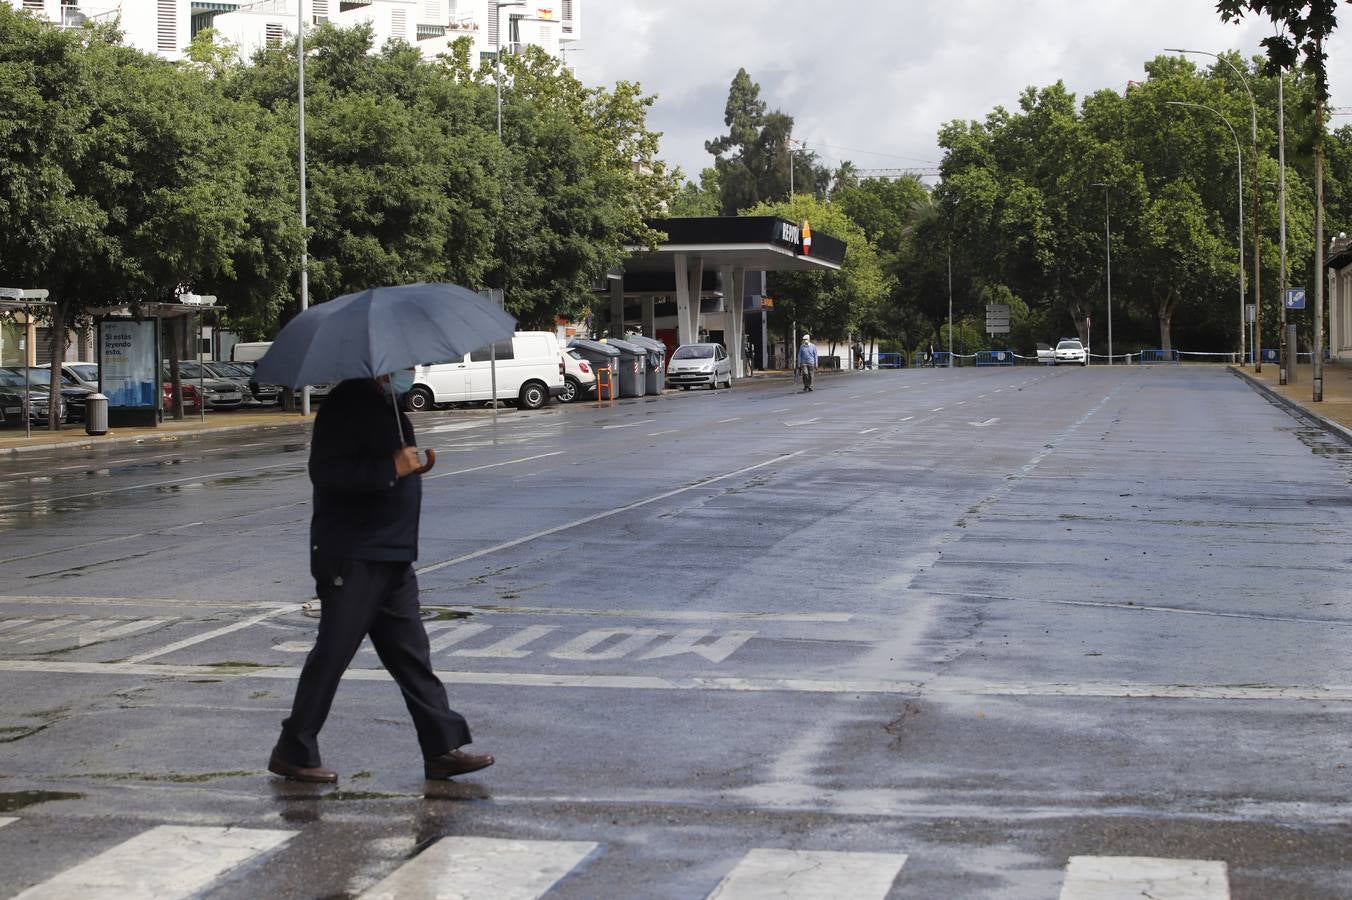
(1295, 298)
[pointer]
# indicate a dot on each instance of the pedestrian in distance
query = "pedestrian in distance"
(366, 473)
(929, 355)
(749, 355)
(807, 362)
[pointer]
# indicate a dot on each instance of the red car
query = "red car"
(192, 400)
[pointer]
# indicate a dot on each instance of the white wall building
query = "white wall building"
(165, 27)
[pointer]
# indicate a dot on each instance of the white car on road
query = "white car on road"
(692, 364)
(1070, 350)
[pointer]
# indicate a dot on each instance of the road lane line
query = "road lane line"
(495, 465)
(153, 484)
(1113, 877)
(5, 820)
(629, 424)
(907, 419)
(937, 409)
(810, 874)
(672, 615)
(474, 868)
(733, 419)
(868, 431)
(803, 422)
(604, 514)
(668, 431)
(944, 686)
(211, 635)
(168, 861)
(785, 409)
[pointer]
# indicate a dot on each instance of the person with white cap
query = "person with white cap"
(807, 361)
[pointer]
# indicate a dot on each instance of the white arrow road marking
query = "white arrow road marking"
(807, 874)
(6, 820)
(1110, 877)
(168, 861)
(472, 868)
(983, 424)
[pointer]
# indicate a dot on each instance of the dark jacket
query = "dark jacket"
(361, 511)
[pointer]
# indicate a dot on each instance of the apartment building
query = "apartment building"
(165, 27)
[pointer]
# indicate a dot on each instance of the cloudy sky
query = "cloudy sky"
(874, 81)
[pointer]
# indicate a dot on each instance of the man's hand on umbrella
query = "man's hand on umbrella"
(406, 462)
(431, 461)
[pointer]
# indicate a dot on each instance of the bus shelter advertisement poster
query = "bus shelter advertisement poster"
(127, 363)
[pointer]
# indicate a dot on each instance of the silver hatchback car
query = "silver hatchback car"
(699, 364)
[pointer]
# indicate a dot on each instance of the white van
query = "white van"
(249, 351)
(529, 371)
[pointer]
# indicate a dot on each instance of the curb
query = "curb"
(1339, 431)
(93, 442)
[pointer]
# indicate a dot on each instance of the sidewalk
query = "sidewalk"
(73, 437)
(1334, 412)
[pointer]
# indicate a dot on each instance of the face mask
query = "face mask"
(400, 382)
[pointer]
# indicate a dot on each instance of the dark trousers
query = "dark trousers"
(367, 597)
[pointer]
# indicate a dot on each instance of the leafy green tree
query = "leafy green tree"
(755, 157)
(700, 199)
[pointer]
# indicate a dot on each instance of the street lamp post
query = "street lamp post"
(1108, 249)
(1239, 166)
(1283, 349)
(1257, 208)
(304, 240)
(497, 52)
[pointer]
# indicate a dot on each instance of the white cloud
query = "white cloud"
(881, 78)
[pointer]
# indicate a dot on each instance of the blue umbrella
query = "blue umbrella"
(381, 330)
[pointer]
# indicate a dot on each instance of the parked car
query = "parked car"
(255, 394)
(699, 364)
(39, 399)
(85, 374)
(579, 380)
(220, 393)
(1070, 350)
(192, 399)
(249, 351)
(529, 367)
(72, 392)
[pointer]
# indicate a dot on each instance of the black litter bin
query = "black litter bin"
(655, 374)
(633, 364)
(601, 356)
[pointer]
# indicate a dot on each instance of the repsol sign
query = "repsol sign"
(790, 233)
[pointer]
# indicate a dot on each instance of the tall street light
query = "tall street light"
(1257, 207)
(1239, 166)
(304, 227)
(1283, 350)
(498, 6)
(1108, 245)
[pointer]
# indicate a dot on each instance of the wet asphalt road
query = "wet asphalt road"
(988, 619)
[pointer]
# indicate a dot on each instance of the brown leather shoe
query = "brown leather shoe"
(453, 763)
(315, 775)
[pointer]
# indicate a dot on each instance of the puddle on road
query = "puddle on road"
(444, 614)
(16, 800)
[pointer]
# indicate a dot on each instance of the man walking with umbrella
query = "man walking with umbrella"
(363, 540)
(366, 473)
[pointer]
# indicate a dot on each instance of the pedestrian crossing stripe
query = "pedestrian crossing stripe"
(1128, 877)
(808, 874)
(169, 862)
(164, 863)
(472, 868)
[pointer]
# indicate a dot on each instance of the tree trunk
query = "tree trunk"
(57, 348)
(1166, 318)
